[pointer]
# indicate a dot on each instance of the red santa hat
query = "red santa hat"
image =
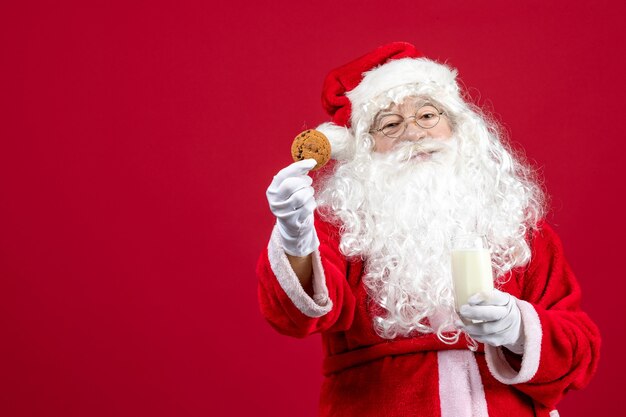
(353, 93)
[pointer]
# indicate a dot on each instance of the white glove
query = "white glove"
(499, 321)
(290, 196)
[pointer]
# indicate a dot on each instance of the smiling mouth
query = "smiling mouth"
(422, 155)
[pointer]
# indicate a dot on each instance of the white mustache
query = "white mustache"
(404, 151)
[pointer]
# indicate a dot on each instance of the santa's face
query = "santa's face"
(416, 114)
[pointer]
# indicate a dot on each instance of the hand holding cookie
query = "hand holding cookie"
(292, 201)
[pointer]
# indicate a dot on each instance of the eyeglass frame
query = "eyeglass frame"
(405, 120)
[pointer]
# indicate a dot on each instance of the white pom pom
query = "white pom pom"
(341, 141)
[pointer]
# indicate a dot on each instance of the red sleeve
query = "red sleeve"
(282, 300)
(568, 342)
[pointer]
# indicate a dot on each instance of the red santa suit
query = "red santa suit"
(366, 375)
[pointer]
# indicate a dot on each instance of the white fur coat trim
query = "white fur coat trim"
(317, 306)
(461, 391)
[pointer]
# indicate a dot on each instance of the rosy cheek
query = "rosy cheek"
(442, 132)
(447, 129)
(383, 145)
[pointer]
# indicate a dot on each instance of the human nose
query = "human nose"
(413, 131)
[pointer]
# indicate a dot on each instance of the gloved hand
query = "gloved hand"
(500, 320)
(291, 199)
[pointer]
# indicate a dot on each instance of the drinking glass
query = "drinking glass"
(471, 267)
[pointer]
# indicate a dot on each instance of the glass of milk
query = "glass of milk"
(471, 267)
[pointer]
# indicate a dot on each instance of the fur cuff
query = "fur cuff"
(498, 365)
(317, 306)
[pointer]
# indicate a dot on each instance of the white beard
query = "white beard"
(399, 214)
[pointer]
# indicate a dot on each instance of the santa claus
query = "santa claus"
(363, 256)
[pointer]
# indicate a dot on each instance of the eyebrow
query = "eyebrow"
(419, 106)
(381, 115)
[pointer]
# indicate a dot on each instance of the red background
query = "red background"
(137, 140)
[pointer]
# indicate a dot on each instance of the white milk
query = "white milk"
(471, 273)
